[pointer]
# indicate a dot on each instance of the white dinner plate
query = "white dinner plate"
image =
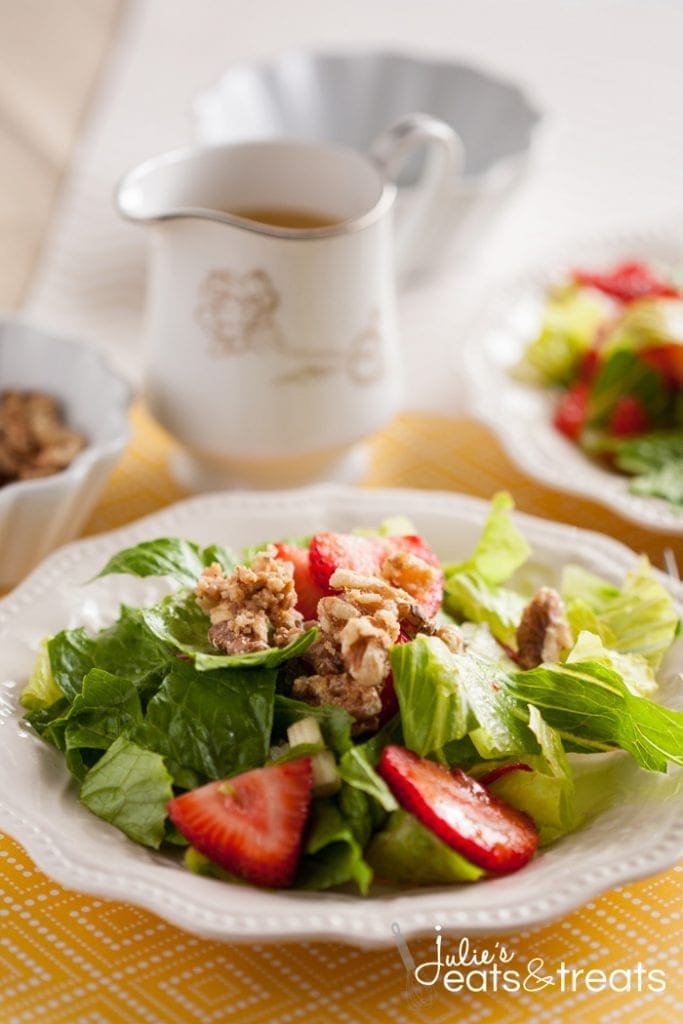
(639, 835)
(521, 414)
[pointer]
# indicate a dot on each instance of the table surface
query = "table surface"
(66, 957)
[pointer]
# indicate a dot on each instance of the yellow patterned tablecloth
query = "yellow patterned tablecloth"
(68, 958)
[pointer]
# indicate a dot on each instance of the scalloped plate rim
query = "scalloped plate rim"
(298, 916)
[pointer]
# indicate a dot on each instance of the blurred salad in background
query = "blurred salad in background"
(612, 342)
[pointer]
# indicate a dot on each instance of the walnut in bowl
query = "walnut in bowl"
(63, 425)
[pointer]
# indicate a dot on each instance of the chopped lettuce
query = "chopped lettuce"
(107, 707)
(501, 548)
(547, 792)
(445, 697)
(666, 483)
(147, 704)
(640, 618)
(433, 707)
(178, 620)
(473, 590)
(571, 320)
(126, 648)
(624, 373)
(332, 854)
(213, 724)
(41, 691)
(130, 787)
(635, 671)
(169, 556)
(593, 710)
(406, 851)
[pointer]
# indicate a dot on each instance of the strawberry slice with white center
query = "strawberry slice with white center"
(251, 825)
(460, 811)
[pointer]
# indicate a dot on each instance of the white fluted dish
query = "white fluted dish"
(521, 414)
(640, 834)
(37, 516)
(351, 97)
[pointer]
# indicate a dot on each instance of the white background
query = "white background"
(609, 74)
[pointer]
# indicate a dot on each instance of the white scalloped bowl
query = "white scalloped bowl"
(639, 834)
(351, 97)
(37, 516)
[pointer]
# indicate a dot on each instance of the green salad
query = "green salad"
(331, 709)
(611, 345)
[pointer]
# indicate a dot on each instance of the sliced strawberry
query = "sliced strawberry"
(307, 590)
(332, 551)
(367, 555)
(460, 811)
(590, 364)
(251, 825)
(572, 409)
(503, 769)
(628, 417)
(627, 282)
(668, 360)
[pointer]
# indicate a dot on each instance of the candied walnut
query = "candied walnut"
(410, 573)
(362, 702)
(33, 440)
(350, 657)
(452, 636)
(543, 631)
(252, 608)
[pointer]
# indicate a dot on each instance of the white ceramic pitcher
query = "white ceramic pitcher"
(272, 351)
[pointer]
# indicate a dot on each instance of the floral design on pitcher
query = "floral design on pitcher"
(237, 313)
(365, 361)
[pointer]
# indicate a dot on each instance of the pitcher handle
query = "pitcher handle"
(419, 223)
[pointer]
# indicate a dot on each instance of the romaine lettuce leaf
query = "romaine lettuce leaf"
(332, 854)
(178, 620)
(130, 788)
(433, 707)
(212, 724)
(356, 770)
(666, 483)
(106, 708)
(501, 548)
(41, 691)
(445, 697)
(640, 618)
(469, 598)
(406, 851)
(633, 668)
(127, 649)
(547, 792)
(169, 556)
(473, 590)
(624, 373)
(593, 710)
(582, 584)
